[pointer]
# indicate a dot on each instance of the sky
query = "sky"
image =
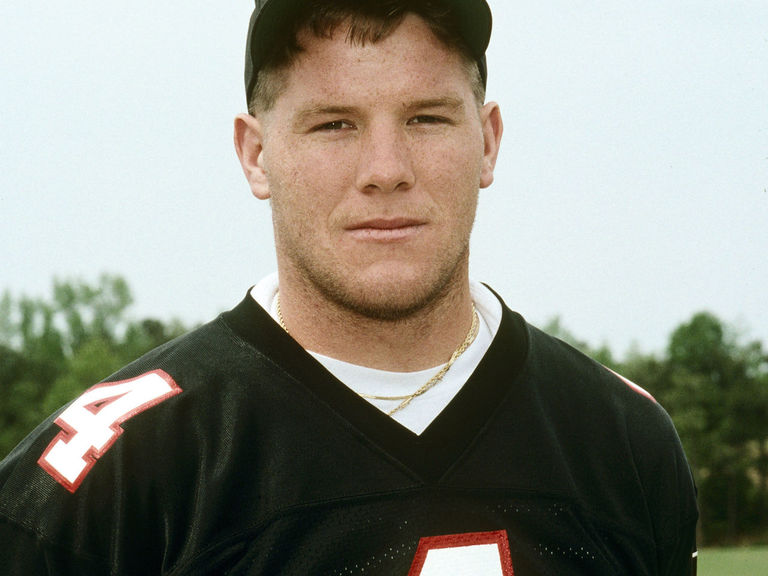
(631, 188)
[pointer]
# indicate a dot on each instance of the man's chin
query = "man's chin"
(390, 301)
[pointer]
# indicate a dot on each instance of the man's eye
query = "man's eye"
(426, 119)
(335, 125)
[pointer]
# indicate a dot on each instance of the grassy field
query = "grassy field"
(733, 561)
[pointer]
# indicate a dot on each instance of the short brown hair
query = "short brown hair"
(366, 21)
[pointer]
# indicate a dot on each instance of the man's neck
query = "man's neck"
(424, 339)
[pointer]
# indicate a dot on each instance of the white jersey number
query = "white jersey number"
(485, 553)
(91, 424)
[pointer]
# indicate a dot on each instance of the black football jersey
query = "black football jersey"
(232, 451)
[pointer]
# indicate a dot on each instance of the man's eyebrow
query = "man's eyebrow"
(456, 104)
(311, 111)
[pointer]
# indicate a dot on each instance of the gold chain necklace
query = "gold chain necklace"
(280, 314)
(407, 398)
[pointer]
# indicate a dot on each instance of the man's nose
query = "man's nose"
(385, 160)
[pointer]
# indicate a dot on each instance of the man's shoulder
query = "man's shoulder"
(566, 381)
(133, 432)
(603, 423)
(577, 373)
(209, 354)
(96, 417)
(196, 350)
(582, 398)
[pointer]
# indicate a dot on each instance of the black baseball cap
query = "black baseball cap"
(270, 17)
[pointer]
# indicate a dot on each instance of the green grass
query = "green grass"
(733, 561)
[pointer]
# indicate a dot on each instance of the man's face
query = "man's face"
(373, 156)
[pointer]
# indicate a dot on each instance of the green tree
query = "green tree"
(555, 327)
(718, 397)
(51, 350)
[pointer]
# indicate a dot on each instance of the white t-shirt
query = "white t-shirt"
(417, 415)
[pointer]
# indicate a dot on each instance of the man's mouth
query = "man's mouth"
(386, 229)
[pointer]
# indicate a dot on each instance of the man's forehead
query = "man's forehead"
(462, 24)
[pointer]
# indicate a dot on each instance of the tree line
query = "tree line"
(713, 384)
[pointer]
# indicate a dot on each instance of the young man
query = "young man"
(369, 409)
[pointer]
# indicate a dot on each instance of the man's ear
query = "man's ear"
(249, 145)
(490, 116)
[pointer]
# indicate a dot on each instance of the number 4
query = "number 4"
(484, 553)
(91, 424)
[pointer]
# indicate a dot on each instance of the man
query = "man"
(369, 409)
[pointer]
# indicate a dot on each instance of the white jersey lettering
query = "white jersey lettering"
(91, 424)
(482, 553)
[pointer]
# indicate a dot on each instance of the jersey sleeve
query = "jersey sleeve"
(669, 488)
(678, 553)
(71, 494)
(22, 552)
(666, 479)
(679, 557)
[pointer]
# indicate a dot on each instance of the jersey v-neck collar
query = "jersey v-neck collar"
(429, 455)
